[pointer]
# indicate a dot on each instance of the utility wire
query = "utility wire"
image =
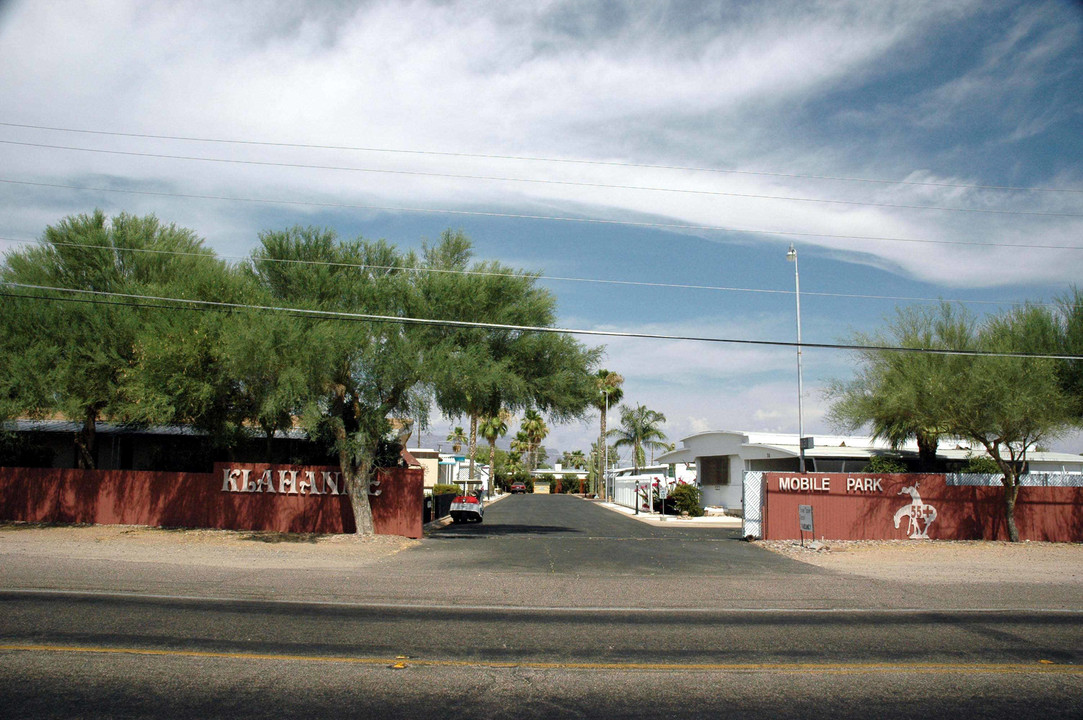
(551, 278)
(367, 317)
(529, 158)
(541, 181)
(525, 216)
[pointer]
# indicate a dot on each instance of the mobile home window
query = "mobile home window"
(714, 470)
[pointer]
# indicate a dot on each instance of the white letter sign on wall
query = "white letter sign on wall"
(804, 484)
(240, 480)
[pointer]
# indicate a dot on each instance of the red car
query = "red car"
(518, 487)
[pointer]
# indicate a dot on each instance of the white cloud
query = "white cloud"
(458, 76)
(704, 85)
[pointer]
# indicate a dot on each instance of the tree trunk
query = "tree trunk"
(473, 442)
(84, 441)
(357, 486)
(1011, 493)
(927, 445)
(492, 466)
(1010, 480)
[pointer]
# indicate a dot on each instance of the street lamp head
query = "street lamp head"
(791, 255)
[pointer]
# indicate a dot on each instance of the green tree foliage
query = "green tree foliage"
(573, 459)
(1070, 372)
(457, 437)
(1009, 405)
(492, 428)
(640, 429)
(534, 428)
(78, 355)
(1005, 404)
(884, 464)
(980, 465)
(360, 373)
(343, 378)
(478, 371)
(901, 395)
(608, 394)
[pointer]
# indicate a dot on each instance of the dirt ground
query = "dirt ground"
(221, 548)
(943, 561)
(921, 561)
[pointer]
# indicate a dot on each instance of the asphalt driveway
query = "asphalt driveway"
(562, 534)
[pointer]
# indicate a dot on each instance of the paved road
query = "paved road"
(553, 607)
(562, 535)
(104, 656)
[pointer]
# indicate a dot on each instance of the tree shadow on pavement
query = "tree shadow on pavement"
(479, 530)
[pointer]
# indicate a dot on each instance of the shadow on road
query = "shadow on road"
(482, 531)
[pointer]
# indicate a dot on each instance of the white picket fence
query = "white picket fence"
(624, 487)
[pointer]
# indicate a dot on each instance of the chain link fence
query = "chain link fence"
(752, 500)
(1028, 480)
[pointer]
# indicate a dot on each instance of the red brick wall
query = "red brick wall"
(160, 499)
(843, 511)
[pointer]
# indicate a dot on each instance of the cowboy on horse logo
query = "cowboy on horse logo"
(921, 515)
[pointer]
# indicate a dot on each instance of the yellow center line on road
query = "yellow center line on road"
(400, 662)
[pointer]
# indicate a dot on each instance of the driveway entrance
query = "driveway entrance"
(563, 534)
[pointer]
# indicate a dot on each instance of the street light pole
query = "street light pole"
(792, 257)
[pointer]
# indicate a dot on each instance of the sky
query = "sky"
(651, 161)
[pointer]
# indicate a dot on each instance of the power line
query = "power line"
(551, 278)
(525, 216)
(540, 181)
(396, 319)
(530, 158)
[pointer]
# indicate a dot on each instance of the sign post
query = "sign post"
(804, 518)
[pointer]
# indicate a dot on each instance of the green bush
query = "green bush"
(446, 489)
(981, 465)
(568, 486)
(687, 498)
(884, 464)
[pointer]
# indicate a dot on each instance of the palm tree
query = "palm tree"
(609, 394)
(520, 444)
(492, 428)
(574, 459)
(639, 429)
(457, 437)
(534, 427)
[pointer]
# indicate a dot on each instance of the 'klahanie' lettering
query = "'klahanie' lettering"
(241, 481)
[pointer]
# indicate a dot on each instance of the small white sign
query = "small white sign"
(804, 516)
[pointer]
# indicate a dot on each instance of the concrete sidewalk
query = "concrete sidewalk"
(675, 520)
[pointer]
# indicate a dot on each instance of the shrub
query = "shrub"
(687, 498)
(446, 489)
(981, 465)
(568, 486)
(884, 464)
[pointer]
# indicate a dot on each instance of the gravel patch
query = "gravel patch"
(941, 561)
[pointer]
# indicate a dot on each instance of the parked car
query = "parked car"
(518, 487)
